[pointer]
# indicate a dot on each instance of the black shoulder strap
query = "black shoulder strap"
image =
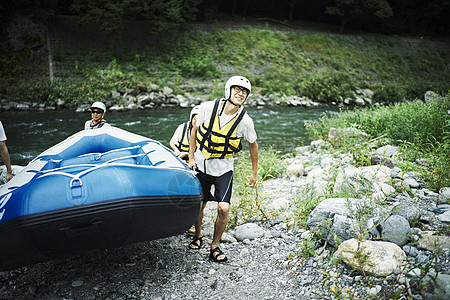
(211, 123)
(180, 140)
(233, 127)
(238, 120)
(213, 115)
(184, 130)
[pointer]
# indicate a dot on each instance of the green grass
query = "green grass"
(325, 67)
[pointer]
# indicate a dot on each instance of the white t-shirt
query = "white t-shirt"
(177, 134)
(245, 129)
(2, 133)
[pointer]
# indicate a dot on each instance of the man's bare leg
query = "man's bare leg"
(196, 243)
(223, 209)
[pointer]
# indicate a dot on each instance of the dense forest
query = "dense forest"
(411, 17)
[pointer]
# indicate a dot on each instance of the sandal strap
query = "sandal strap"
(217, 249)
(218, 253)
(195, 244)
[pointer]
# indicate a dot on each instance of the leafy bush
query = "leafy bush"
(303, 205)
(415, 121)
(278, 79)
(202, 67)
(269, 166)
(37, 91)
(327, 85)
(388, 92)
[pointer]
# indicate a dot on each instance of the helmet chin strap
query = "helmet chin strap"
(229, 100)
(223, 106)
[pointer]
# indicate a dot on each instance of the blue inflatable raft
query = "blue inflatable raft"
(99, 188)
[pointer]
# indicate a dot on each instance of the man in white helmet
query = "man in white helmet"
(98, 110)
(216, 137)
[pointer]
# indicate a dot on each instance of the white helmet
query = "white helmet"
(239, 81)
(100, 105)
(194, 112)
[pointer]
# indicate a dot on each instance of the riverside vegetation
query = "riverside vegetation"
(325, 67)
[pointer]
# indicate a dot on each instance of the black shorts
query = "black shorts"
(223, 185)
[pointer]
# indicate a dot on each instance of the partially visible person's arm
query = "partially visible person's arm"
(175, 149)
(192, 147)
(253, 147)
(176, 136)
(5, 157)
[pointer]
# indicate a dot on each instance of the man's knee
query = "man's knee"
(223, 209)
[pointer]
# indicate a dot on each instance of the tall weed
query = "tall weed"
(251, 205)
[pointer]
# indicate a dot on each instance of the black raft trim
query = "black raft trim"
(181, 201)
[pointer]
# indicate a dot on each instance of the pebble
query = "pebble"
(77, 283)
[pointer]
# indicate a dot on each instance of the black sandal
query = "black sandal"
(218, 253)
(196, 243)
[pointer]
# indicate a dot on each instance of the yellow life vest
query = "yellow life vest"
(183, 142)
(217, 142)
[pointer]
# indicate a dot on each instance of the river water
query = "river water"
(30, 133)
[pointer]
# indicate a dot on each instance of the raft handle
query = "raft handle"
(76, 188)
(76, 179)
(92, 228)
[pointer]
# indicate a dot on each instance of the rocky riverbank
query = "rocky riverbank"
(403, 227)
(406, 223)
(153, 96)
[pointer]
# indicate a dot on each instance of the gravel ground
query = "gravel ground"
(167, 269)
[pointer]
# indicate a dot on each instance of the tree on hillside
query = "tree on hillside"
(110, 14)
(359, 11)
(291, 9)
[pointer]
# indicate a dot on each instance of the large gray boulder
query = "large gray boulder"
(432, 241)
(408, 210)
(386, 151)
(381, 160)
(371, 180)
(445, 217)
(248, 231)
(334, 219)
(396, 229)
(435, 285)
